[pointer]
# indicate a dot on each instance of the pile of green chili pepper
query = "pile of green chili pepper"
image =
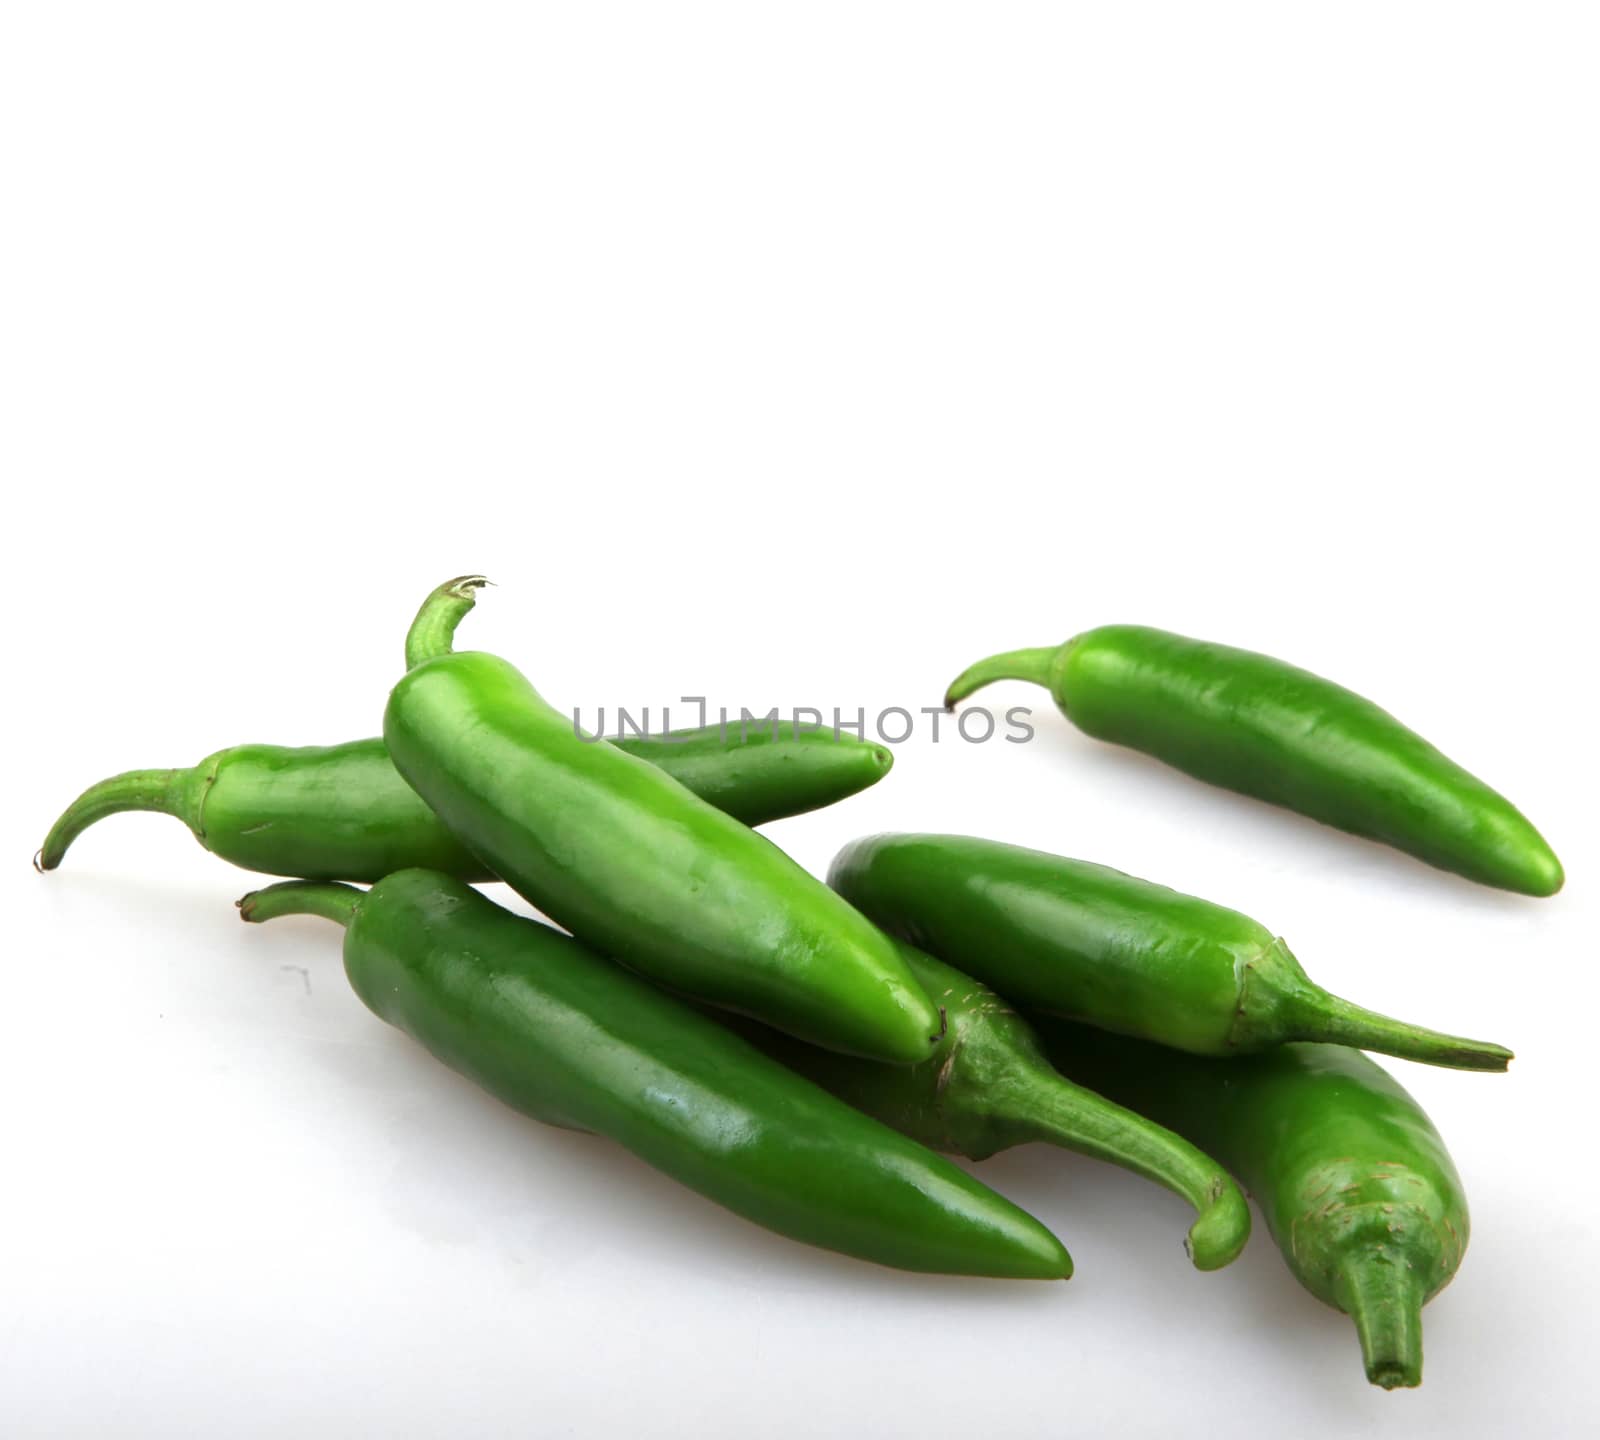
(802, 1052)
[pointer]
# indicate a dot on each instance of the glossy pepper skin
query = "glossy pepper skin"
(632, 862)
(1354, 1182)
(560, 1034)
(1089, 943)
(342, 812)
(1253, 724)
(988, 1086)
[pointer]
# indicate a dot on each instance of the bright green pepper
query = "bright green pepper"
(633, 863)
(988, 1086)
(1090, 943)
(1253, 724)
(556, 1032)
(342, 812)
(1353, 1180)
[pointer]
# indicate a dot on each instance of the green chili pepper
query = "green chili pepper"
(1355, 1184)
(988, 1086)
(633, 863)
(558, 1033)
(342, 812)
(1253, 724)
(1090, 943)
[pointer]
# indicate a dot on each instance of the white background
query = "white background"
(789, 355)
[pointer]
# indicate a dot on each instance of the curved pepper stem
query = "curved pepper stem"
(1384, 1298)
(155, 790)
(1047, 1106)
(330, 900)
(434, 629)
(1031, 665)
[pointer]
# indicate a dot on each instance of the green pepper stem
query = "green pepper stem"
(1384, 1297)
(1317, 1015)
(1046, 1106)
(155, 790)
(433, 631)
(330, 900)
(1031, 665)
